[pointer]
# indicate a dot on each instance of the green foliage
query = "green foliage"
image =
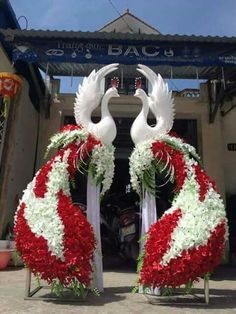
(149, 176)
(148, 180)
(38, 278)
(139, 265)
(167, 291)
(75, 286)
(188, 287)
(135, 288)
(95, 291)
(140, 262)
(186, 149)
(78, 288)
(57, 288)
(207, 276)
(72, 182)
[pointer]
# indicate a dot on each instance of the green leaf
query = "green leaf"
(207, 276)
(140, 261)
(95, 291)
(134, 289)
(167, 291)
(16, 257)
(188, 287)
(38, 278)
(148, 181)
(57, 288)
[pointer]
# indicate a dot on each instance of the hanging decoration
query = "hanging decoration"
(9, 86)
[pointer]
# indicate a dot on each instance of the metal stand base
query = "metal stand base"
(31, 294)
(180, 298)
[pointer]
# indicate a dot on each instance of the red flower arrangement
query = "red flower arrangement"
(78, 241)
(164, 151)
(187, 242)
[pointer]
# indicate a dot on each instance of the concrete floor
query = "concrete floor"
(117, 297)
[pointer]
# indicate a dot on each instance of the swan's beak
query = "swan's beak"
(115, 93)
(137, 92)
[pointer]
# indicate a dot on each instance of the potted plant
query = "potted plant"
(6, 247)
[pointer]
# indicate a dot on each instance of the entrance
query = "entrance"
(120, 211)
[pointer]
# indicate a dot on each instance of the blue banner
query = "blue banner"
(149, 53)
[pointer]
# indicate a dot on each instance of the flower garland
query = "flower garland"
(52, 235)
(102, 165)
(188, 241)
(101, 161)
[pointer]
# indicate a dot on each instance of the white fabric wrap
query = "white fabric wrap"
(93, 216)
(149, 217)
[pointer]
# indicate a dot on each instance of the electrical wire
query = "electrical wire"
(25, 18)
(117, 11)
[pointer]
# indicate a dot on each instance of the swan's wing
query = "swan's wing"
(161, 102)
(90, 92)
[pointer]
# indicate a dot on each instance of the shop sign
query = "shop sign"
(125, 52)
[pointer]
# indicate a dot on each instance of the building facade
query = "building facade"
(206, 117)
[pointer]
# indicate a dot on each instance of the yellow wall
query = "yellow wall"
(19, 164)
(229, 157)
(210, 137)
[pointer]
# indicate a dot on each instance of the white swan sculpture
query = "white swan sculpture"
(89, 96)
(159, 101)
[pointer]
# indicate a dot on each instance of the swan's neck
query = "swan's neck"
(104, 106)
(145, 107)
(85, 114)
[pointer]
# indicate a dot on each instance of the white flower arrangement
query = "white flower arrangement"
(39, 211)
(142, 158)
(198, 219)
(139, 161)
(195, 224)
(62, 139)
(102, 165)
(180, 145)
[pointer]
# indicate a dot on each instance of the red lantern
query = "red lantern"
(9, 84)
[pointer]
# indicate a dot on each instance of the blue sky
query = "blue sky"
(198, 17)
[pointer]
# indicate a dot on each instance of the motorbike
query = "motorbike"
(119, 227)
(129, 224)
(109, 230)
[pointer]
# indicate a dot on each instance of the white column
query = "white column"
(93, 216)
(149, 215)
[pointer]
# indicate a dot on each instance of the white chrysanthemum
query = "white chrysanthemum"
(179, 144)
(198, 219)
(140, 160)
(41, 213)
(102, 160)
(62, 139)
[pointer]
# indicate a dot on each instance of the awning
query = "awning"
(65, 53)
